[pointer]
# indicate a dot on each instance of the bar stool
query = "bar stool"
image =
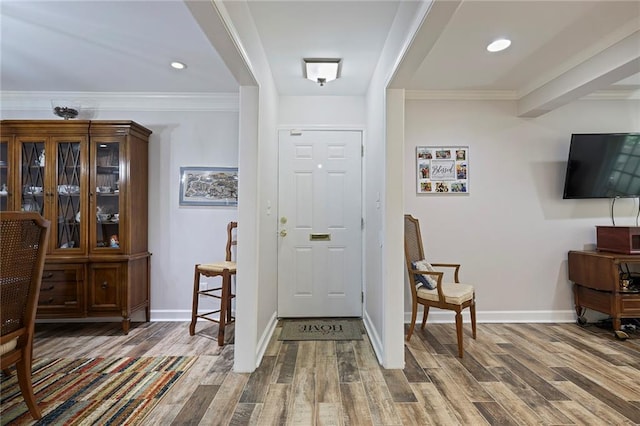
(226, 270)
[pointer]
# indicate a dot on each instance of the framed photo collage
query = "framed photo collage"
(442, 169)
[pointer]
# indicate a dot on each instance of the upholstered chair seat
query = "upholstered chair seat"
(454, 293)
(9, 346)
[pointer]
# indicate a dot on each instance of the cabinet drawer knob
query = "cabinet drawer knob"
(47, 276)
(50, 301)
(104, 285)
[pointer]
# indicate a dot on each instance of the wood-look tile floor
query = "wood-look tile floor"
(518, 374)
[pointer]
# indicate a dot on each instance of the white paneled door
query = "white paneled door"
(319, 218)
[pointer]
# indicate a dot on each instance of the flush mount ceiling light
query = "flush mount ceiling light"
(178, 65)
(498, 45)
(322, 70)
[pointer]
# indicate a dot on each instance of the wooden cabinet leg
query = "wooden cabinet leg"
(617, 324)
(126, 324)
(576, 301)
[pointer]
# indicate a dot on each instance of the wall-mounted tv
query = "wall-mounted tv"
(603, 165)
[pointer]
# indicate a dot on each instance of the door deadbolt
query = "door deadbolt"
(283, 233)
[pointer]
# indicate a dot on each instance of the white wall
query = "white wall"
(326, 112)
(178, 236)
(383, 283)
(257, 299)
(512, 232)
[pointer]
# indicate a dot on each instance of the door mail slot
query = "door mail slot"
(319, 237)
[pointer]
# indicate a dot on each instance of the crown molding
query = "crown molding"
(461, 95)
(614, 95)
(506, 95)
(122, 101)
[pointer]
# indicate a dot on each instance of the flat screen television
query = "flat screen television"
(603, 165)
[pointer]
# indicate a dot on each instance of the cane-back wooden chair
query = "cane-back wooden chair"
(225, 270)
(23, 239)
(427, 288)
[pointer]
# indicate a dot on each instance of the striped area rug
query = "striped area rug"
(87, 391)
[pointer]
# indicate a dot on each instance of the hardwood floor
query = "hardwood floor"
(513, 374)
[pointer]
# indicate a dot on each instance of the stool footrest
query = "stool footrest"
(204, 316)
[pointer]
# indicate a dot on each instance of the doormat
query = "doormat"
(321, 329)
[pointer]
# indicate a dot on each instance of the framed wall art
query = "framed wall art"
(208, 186)
(442, 169)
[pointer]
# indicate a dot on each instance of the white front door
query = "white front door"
(319, 208)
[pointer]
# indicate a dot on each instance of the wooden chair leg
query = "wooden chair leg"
(414, 313)
(226, 278)
(425, 312)
(194, 306)
(229, 299)
(26, 387)
(473, 319)
(459, 333)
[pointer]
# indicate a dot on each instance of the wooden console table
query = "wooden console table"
(597, 285)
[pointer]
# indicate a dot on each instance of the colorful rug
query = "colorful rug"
(321, 329)
(87, 391)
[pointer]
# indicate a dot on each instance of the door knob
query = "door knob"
(283, 233)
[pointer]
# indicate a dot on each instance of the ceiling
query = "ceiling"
(126, 46)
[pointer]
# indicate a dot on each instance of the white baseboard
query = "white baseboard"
(442, 316)
(435, 316)
(263, 343)
(374, 337)
(170, 315)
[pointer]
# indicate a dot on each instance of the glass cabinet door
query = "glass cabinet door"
(106, 179)
(51, 183)
(67, 194)
(32, 175)
(5, 204)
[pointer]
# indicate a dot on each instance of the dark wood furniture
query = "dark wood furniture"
(597, 285)
(90, 179)
(225, 270)
(452, 296)
(22, 253)
(618, 239)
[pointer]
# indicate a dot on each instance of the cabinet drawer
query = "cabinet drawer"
(59, 275)
(61, 291)
(59, 294)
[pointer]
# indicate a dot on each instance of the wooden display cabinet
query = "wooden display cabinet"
(90, 179)
(597, 285)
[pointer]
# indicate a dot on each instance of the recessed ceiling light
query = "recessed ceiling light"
(498, 45)
(178, 65)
